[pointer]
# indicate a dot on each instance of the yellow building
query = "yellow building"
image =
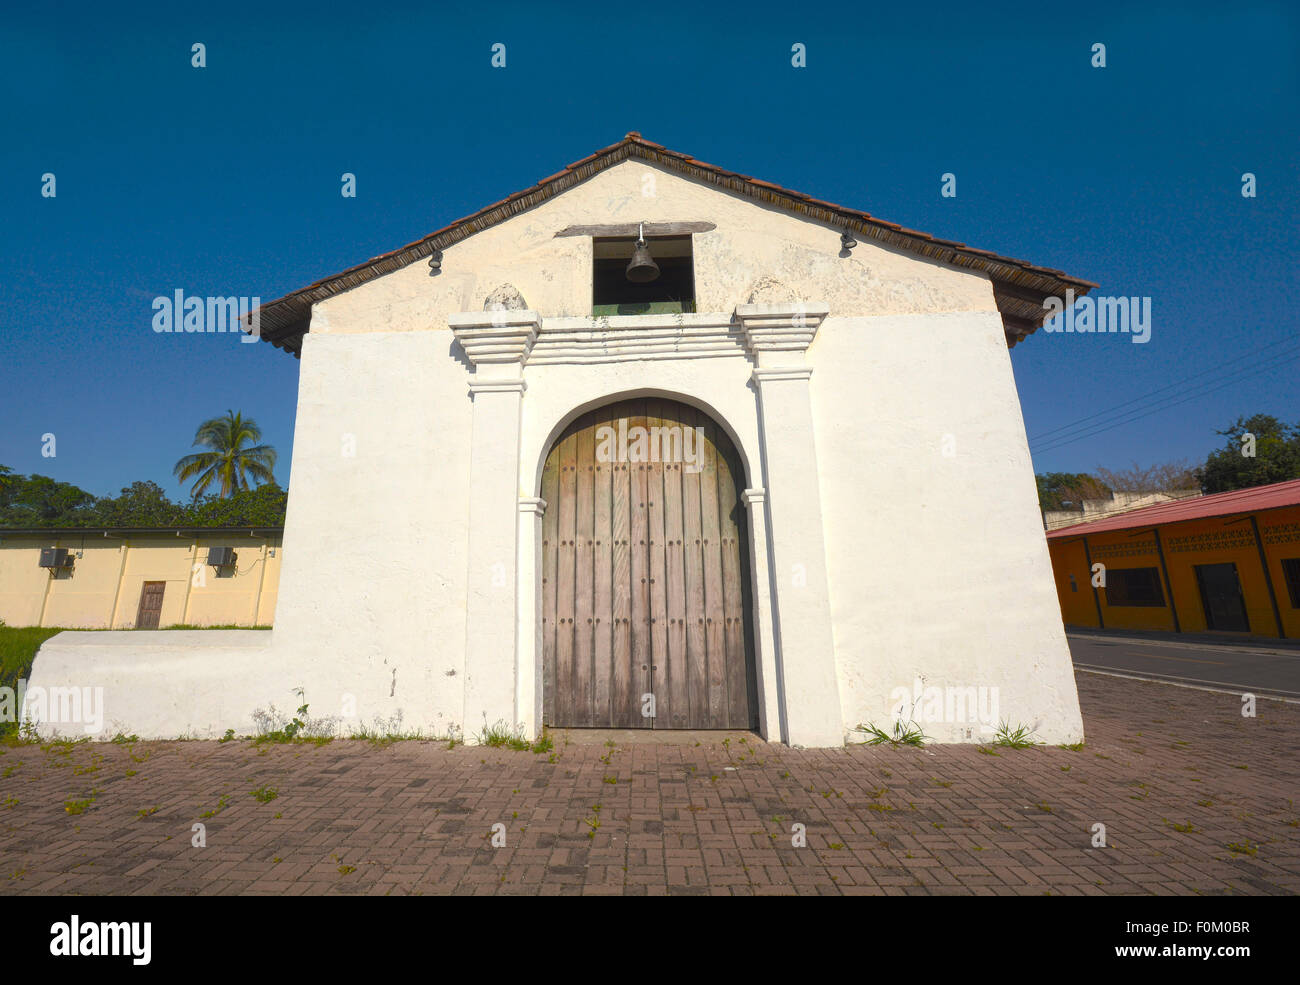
(139, 578)
(1226, 563)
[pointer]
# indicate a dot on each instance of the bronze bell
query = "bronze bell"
(642, 268)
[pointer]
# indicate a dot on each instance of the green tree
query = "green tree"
(1067, 490)
(142, 504)
(39, 501)
(1276, 455)
(260, 507)
(231, 459)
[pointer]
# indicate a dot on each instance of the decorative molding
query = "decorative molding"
(786, 327)
(505, 297)
(624, 338)
(762, 375)
(499, 336)
(751, 497)
(497, 386)
(532, 504)
(770, 290)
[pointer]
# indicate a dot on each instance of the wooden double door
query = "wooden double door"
(646, 609)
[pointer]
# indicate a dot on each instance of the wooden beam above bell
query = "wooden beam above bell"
(632, 228)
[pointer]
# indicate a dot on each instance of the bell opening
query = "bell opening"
(635, 276)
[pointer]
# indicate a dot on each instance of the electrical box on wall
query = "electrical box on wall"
(55, 557)
(221, 557)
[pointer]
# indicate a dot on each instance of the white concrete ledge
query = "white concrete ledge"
(159, 685)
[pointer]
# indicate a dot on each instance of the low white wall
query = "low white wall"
(165, 684)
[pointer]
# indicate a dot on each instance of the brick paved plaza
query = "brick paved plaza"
(1195, 799)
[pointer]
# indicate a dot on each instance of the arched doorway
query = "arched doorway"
(646, 607)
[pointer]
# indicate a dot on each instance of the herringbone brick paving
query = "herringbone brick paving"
(1194, 799)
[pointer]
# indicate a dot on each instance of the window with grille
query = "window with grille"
(1134, 586)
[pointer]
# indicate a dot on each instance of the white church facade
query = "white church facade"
(650, 444)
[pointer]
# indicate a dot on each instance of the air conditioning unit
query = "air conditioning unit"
(221, 557)
(55, 557)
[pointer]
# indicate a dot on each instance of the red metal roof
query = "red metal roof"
(1019, 287)
(1202, 507)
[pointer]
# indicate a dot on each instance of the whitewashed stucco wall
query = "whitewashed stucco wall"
(750, 242)
(935, 566)
(938, 565)
(375, 606)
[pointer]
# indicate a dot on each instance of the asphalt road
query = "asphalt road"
(1225, 667)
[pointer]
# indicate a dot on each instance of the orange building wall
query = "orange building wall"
(1212, 541)
(1280, 530)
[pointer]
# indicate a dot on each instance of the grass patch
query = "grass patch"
(18, 646)
(19, 734)
(501, 736)
(78, 806)
(289, 732)
(902, 734)
(222, 804)
(1019, 737)
(265, 794)
(386, 733)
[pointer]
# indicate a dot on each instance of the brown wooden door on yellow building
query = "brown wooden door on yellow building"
(645, 573)
(1225, 607)
(151, 598)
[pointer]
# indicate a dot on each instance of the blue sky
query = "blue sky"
(225, 180)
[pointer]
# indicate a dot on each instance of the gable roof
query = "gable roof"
(1270, 497)
(1019, 287)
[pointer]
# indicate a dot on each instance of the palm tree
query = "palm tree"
(229, 459)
